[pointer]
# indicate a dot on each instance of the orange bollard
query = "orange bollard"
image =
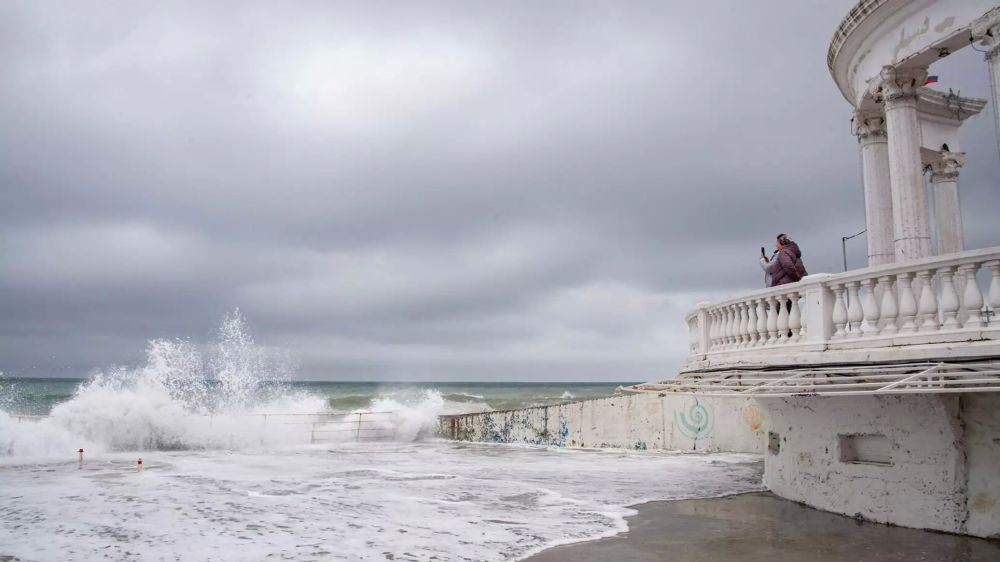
(138, 466)
(80, 459)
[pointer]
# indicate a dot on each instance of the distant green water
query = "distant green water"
(38, 396)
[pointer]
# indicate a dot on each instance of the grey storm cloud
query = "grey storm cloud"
(459, 190)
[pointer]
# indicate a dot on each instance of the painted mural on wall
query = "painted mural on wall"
(694, 420)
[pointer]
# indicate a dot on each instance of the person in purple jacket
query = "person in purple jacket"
(785, 265)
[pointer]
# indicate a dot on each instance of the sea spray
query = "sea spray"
(177, 400)
(233, 395)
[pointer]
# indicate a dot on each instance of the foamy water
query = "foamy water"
(430, 500)
(240, 466)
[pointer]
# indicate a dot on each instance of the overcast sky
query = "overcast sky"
(421, 191)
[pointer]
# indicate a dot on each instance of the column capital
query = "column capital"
(986, 30)
(945, 167)
(897, 84)
(869, 127)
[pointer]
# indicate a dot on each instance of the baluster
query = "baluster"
(949, 299)
(752, 323)
(854, 313)
(907, 304)
(803, 322)
(795, 319)
(889, 310)
(870, 306)
(724, 327)
(728, 323)
(959, 284)
(762, 321)
(994, 293)
(782, 319)
(927, 306)
(772, 320)
(720, 328)
(839, 312)
(744, 333)
(734, 326)
(711, 327)
(972, 300)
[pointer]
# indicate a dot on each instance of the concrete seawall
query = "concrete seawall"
(631, 421)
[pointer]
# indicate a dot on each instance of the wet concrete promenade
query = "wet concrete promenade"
(761, 527)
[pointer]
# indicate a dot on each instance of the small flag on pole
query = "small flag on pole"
(931, 80)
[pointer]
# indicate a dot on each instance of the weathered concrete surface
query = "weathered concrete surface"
(764, 528)
(981, 418)
(633, 421)
(935, 463)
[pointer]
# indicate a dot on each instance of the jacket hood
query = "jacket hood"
(794, 249)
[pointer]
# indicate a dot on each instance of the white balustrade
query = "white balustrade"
(907, 304)
(839, 313)
(870, 306)
(949, 299)
(761, 321)
(926, 301)
(854, 312)
(927, 305)
(888, 311)
(752, 322)
(972, 300)
(795, 319)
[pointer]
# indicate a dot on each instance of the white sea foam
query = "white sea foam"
(345, 502)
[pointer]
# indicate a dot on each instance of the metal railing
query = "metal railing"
(850, 380)
(363, 425)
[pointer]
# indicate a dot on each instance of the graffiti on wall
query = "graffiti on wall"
(753, 417)
(694, 420)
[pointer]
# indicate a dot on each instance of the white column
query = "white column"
(947, 212)
(870, 130)
(897, 90)
(986, 30)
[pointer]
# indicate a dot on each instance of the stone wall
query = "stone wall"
(925, 461)
(981, 416)
(632, 421)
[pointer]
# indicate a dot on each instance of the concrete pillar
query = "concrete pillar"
(870, 130)
(896, 88)
(947, 212)
(986, 30)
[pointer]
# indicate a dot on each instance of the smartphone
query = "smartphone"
(763, 254)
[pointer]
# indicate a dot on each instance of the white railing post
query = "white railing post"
(818, 313)
(889, 310)
(703, 332)
(994, 292)
(713, 317)
(972, 296)
(854, 313)
(949, 299)
(839, 312)
(907, 304)
(927, 307)
(743, 337)
(795, 318)
(772, 320)
(752, 322)
(782, 319)
(761, 321)
(870, 305)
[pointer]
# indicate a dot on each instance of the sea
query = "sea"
(218, 453)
